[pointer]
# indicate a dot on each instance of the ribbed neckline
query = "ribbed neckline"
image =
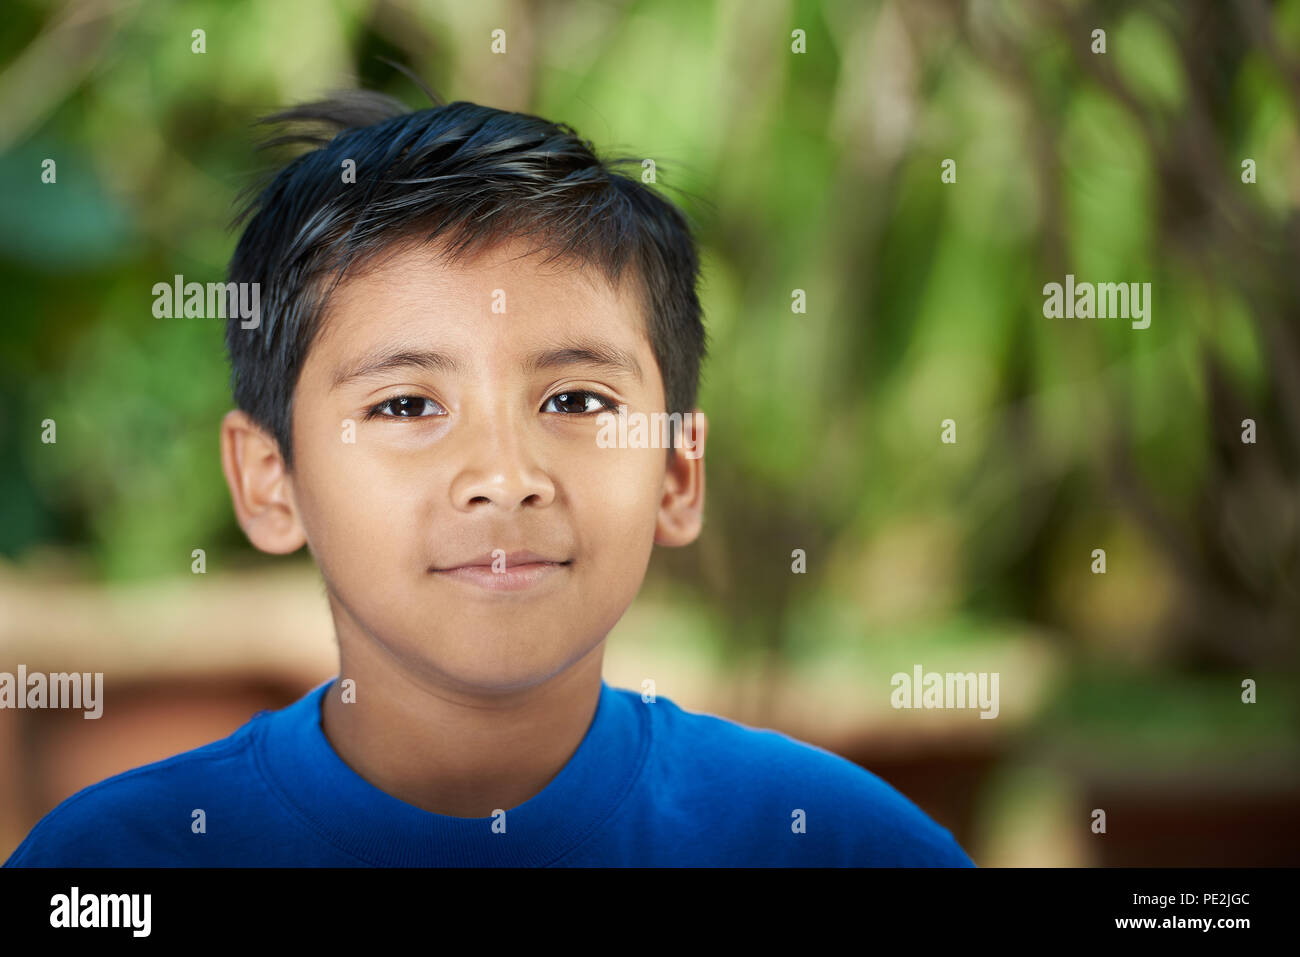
(343, 808)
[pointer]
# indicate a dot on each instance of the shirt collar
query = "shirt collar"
(345, 809)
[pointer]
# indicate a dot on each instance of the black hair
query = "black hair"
(463, 175)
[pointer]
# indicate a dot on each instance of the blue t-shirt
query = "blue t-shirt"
(650, 784)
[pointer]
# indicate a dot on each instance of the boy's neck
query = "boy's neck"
(449, 752)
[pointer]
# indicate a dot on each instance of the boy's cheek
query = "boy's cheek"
(351, 511)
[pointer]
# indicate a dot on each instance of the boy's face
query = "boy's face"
(439, 417)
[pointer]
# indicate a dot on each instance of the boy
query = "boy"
(420, 403)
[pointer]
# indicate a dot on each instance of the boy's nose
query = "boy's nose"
(500, 469)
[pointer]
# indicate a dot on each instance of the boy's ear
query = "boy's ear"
(681, 510)
(259, 486)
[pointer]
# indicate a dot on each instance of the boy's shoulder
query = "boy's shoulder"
(715, 765)
(734, 793)
(94, 826)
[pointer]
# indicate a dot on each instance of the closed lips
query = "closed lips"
(511, 560)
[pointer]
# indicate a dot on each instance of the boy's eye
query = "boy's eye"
(405, 407)
(578, 403)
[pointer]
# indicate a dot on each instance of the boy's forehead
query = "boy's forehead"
(416, 287)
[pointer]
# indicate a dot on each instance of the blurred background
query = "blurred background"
(819, 171)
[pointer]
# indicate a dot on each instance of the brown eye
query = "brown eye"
(405, 407)
(577, 403)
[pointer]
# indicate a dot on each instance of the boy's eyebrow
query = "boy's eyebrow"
(571, 353)
(586, 353)
(404, 358)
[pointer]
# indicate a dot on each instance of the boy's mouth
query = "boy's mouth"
(499, 557)
(505, 571)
